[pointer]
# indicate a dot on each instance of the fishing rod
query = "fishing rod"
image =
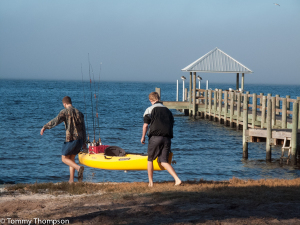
(87, 124)
(100, 143)
(91, 95)
(96, 115)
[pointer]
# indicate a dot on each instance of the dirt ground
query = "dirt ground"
(204, 202)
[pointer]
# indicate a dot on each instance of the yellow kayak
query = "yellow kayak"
(127, 162)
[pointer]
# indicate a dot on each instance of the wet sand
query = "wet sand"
(234, 201)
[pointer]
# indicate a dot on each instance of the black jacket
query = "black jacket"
(161, 121)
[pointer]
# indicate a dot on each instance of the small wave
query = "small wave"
(7, 182)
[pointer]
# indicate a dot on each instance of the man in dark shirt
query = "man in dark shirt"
(75, 135)
(160, 132)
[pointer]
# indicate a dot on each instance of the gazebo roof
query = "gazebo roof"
(217, 61)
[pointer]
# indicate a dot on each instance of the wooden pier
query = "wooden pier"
(271, 119)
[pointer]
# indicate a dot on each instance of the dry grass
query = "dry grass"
(234, 187)
(55, 188)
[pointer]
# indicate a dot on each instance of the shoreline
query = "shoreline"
(234, 201)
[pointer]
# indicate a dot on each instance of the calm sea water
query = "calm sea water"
(202, 149)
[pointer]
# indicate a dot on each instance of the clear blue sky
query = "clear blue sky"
(149, 40)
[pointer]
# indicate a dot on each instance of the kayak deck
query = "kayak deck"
(127, 162)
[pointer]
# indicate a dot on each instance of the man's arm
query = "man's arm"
(57, 120)
(145, 128)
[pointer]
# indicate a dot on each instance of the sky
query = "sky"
(148, 40)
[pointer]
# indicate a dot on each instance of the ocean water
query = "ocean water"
(202, 148)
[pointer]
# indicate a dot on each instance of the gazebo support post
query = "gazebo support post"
(194, 94)
(190, 94)
(243, 80)
(237, 81)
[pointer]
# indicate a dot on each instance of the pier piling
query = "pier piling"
(194, 94)
(209, 103)
(225, 107)
(273, 111)
(215, 106)
(288, 102)
(238, 108)
(263, 112)
(254, 108)
(277, 103)
(284, 109)
(158, 91)
(231, 108)
(294, 133)
(269, 130)
(245, 126)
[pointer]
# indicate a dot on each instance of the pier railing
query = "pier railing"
(226, 107)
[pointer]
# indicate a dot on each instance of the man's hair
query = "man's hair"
(154, 96)
(67, 100)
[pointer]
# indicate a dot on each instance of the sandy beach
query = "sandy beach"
(234, 201)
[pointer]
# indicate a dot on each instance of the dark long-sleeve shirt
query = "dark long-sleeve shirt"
(74, 123)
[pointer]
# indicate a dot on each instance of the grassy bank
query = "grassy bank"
(209, 202)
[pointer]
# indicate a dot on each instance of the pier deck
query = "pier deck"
(270, 119)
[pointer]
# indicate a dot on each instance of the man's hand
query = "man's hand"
(42, 131)
(145, 128)
(143, 140)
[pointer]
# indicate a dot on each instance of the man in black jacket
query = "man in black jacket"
(160, 132)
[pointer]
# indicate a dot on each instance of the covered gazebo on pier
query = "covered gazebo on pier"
(215, 61)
